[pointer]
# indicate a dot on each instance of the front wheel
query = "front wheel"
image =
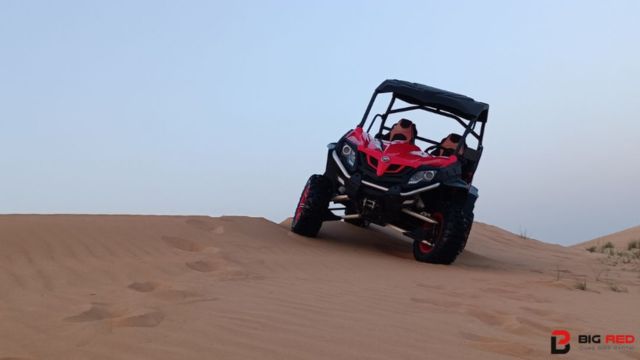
(312, 206)
(446, 240)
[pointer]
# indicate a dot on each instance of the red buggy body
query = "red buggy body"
(394, 156)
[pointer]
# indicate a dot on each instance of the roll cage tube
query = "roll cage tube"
(469, 127)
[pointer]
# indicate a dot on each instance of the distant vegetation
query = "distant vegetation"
(631, 254)
(629, 257)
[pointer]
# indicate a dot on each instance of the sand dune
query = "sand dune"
(620, 239)
(159, 287)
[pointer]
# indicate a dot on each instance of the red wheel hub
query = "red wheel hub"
(301, 203)
(425, 247)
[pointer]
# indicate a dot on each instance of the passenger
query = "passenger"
(448, 146)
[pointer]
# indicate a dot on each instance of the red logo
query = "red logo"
(560, 337)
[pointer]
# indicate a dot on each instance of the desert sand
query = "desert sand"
(164, 287)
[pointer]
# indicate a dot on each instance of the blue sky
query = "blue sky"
(217, 108)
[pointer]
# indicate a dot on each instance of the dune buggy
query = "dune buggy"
(371, 177)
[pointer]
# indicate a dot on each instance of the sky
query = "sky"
(225, 108)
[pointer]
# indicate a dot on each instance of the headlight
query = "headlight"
(348, 154)
(422, 176)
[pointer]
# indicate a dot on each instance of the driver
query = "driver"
(404, 130)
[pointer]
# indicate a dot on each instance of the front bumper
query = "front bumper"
(355, 182)
(375, 202)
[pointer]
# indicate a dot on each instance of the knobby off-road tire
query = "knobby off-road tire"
(468, 219)
(312, 206)
(467, 212)
(449, 239)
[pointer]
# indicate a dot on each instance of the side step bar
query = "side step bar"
(408, 233)
(339, 198)
(419, 216)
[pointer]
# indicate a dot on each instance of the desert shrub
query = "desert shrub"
(608, 245)
(592, 248)
(633, 245)
(626, 259)
(617, 288)
(523, 234)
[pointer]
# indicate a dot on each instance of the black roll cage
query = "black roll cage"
(469, 125)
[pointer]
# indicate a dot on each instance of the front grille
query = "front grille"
(395, 174)
(373, 162)
(394, 168)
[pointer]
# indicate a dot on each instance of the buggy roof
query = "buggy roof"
(418, 94)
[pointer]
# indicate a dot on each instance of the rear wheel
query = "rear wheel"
(312, 206)
(446, 240)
